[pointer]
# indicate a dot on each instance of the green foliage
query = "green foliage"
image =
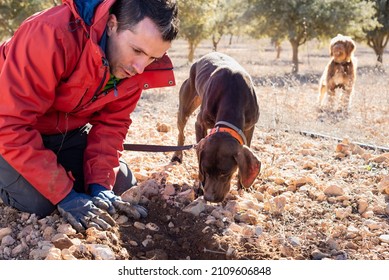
(225, 16)
(13, 12)
(201, 19)
(378, 37)
(194, 28)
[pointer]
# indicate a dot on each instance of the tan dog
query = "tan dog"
(229, 106)
(340, 73)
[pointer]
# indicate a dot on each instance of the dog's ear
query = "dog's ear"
(350, 47)
(249, 166)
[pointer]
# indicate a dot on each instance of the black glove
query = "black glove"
(79, 210)
(107, 200)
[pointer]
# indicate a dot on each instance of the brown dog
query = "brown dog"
(228, 105)
(340, 72)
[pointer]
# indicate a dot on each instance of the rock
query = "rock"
(54, 254)
(4, 232)
(150, 188)
(162, 127)
(7, 241)
(186, 197)
(318, 255)
(343, 213)
(152, 227)
(67, 255)
(368, 214)
(66, 229)
(101, 252)
(362, 206)
(94, 234)
(39, 254)
(169, 190)
(61, 241)
(196, 207)
(280, 203)
(157, 254)
(48, 233)
(384, 238)
(383, 185)
(381, 158)
(139, 225)
(19, 249)
(294, 241)
(132, 195)
(148, 242)
(247, 218)
(373, 225)
(333, 190)
(122, 219)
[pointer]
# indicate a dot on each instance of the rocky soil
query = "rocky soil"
(315, 198)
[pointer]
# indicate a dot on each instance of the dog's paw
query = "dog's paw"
(176, 159)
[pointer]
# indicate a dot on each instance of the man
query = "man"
(70, 77)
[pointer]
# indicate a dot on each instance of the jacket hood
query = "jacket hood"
(86, 9)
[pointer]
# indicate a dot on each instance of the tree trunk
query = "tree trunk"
(278, 49)
(230, 41)
(214, 43)
(295, 58)
(192, 48)
(380, 54)
(378, 43)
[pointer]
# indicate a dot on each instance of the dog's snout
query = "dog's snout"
(213, 198)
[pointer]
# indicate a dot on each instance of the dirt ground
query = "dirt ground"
(322, 192)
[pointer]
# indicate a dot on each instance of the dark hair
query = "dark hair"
(162, 12)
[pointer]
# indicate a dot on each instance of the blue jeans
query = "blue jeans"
(16, 192)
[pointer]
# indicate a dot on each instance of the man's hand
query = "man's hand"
(105, 199)
(79, 210)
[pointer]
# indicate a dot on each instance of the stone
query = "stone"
(122, 219)
(333, 190)
(66, 229)
(196, 207)
(67, 255)
(4, 232)
(7, 241)
(132, 195)
(139, 225)
(152, 227)
(61, 241)
(384, 238)
(54, 254)
(101, 252)
(362, 206)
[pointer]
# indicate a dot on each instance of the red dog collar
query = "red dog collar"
(232, 132)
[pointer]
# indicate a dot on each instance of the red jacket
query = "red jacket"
(52, 72)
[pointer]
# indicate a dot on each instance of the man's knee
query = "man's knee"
(125, 179)
(16, 192)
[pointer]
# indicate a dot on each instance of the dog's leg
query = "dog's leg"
(201, 129)
(249, 135)
(331, 99)
(345, 101)
(322, 93)
(189, 101)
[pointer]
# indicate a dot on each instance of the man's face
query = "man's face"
(130, 51)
